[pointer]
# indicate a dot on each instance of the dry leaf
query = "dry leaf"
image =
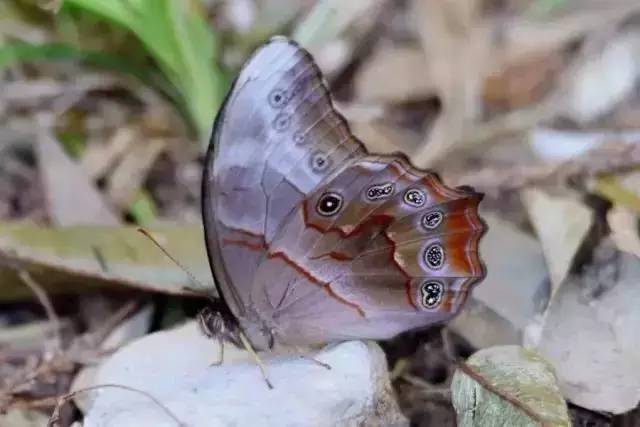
(99, 157)
(456, 44)
(127, 178)
(394, 74)
(70, 259)
(508, 386)
(591, 334)
(624, 229)
(604, 79)
(72, 198)
(561, 224)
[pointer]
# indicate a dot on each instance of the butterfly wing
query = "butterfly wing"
(379, 249)
(276, 138)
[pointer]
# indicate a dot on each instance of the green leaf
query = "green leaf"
(508, 386)
(70, 259)
(14, 53)
(143, 209)
(181, 43)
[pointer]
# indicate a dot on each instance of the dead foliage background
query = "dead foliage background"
(104, 117)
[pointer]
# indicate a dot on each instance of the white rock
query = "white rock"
(175, 368)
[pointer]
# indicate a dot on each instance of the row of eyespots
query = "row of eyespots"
(330, 203)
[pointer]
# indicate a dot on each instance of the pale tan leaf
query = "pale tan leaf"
(561, 223)
(99, 157)
(624, 229)
(456, 44)
(394, 74)
(127, 178)
(72, 198)
(591, 333)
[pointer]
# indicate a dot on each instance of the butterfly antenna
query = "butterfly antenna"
(192, 277)
(247, 345)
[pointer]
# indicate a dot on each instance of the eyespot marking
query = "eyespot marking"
(329, 204)
(281, 122)
(431, 220)
(319, 162)
(278, 98)
(434, 256)
(431, 292)
(299, 138)
(415, 197)
(380, 191)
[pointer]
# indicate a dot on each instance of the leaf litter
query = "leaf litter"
(534, 103)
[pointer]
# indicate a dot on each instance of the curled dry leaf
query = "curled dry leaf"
(509, 386)
(561, 223)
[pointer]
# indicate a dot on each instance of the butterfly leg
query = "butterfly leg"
(256, 358)
(303, 355)
(215, 325)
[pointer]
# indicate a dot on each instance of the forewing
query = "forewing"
(276, 138)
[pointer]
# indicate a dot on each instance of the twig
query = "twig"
(63, 360)
(55, 416)
(427, 389)
(612, 157)
(44, 300)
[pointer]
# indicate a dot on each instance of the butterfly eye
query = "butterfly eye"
(431, 220)
(434, 256)
(278, 98)
(414, 197)
(431, 293)
(329, 204)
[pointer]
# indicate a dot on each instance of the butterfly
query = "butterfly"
(311, 238)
